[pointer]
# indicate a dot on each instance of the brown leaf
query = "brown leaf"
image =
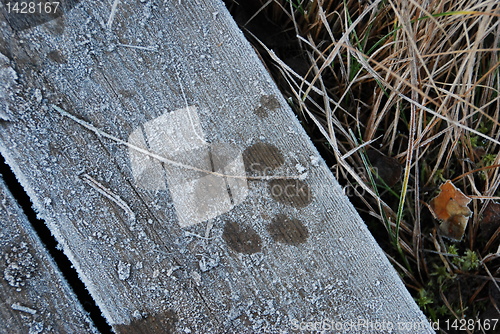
(388, 169)
(450, 205)
(491, 220)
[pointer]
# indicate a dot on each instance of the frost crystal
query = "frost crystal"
(314, 160)
(20, 265)
(123, 270)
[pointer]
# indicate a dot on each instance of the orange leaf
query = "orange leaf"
(450, 205)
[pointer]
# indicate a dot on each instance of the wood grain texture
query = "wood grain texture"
(34, 296)
(286, 250)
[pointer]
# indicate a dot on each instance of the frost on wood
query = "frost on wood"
(20, 267)
(8, 79)
(35, 296)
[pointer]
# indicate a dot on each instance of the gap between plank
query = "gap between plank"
(62, 262)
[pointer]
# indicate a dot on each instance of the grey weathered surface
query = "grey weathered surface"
(34, 297)
(273, 260)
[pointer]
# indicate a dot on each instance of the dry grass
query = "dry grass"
(418, 81)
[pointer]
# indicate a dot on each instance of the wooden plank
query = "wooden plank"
(34, 296)
(114, 115)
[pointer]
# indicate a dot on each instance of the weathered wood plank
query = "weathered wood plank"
(160, 244)
(34, 296)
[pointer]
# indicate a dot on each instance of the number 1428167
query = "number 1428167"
(32, 7)
(471, 324)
